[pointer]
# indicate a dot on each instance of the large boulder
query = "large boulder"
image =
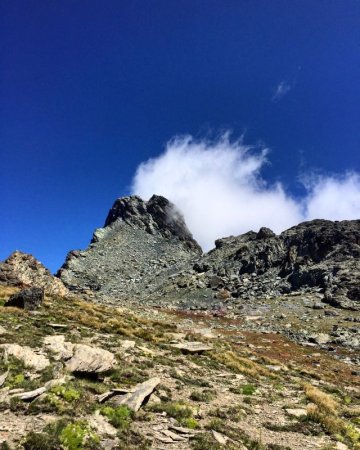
(88, 359)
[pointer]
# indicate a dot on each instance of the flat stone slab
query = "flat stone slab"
(173, 436)
(117, 391)
(220, 438)
(320, 338)
(30, 395)
(183, 430)
(192, 347)
(134, 400)
(126, 344)
(296, 412)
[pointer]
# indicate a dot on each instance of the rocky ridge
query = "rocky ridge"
(211, 366)
(146, 250)
(22, 269)
(319, 256)
(140, 244)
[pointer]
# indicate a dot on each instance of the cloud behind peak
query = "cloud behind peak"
(218, 186)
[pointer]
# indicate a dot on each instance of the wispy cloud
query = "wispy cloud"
(281, 90)
(219, 188)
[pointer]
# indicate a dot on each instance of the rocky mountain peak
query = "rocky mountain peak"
(140, 243)
(156, 216)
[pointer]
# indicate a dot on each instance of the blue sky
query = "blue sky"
(90, 90)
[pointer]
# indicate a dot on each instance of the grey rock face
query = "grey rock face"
(29, 299)
(140, 244)
(318, 256)
(157, 216)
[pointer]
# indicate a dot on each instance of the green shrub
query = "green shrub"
(119, 417)
(174, 409)
(4, 446)
(202, 396)
(248, 389)
(47, 440)
(77, 436)
(40, 441)
(68, 394)
(189, 422)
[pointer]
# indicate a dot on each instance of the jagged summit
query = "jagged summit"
(156, 216)
(141, 243)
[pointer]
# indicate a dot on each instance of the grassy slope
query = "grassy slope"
(240, 389)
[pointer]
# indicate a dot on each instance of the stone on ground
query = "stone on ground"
(90, 359)
(192, 347)
(25, 354)
(135, 399)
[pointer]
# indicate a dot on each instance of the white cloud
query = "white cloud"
(281, 90)
(333, 197)
(218, 187)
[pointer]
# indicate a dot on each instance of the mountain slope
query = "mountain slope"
(140, 243)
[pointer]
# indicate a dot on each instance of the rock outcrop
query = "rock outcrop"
(141, 243)
(158, 216)
(317, 256)
(23, 270)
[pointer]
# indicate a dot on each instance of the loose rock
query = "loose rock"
(135, 399)
(90, 359)
(27, 356)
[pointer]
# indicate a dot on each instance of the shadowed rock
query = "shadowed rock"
(29, 299)
(157, 216)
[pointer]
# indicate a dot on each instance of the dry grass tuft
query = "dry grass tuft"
(323, 401)
(325, 411)
(6, 291)
(242, 365)
(10, 310)
(332, 424)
